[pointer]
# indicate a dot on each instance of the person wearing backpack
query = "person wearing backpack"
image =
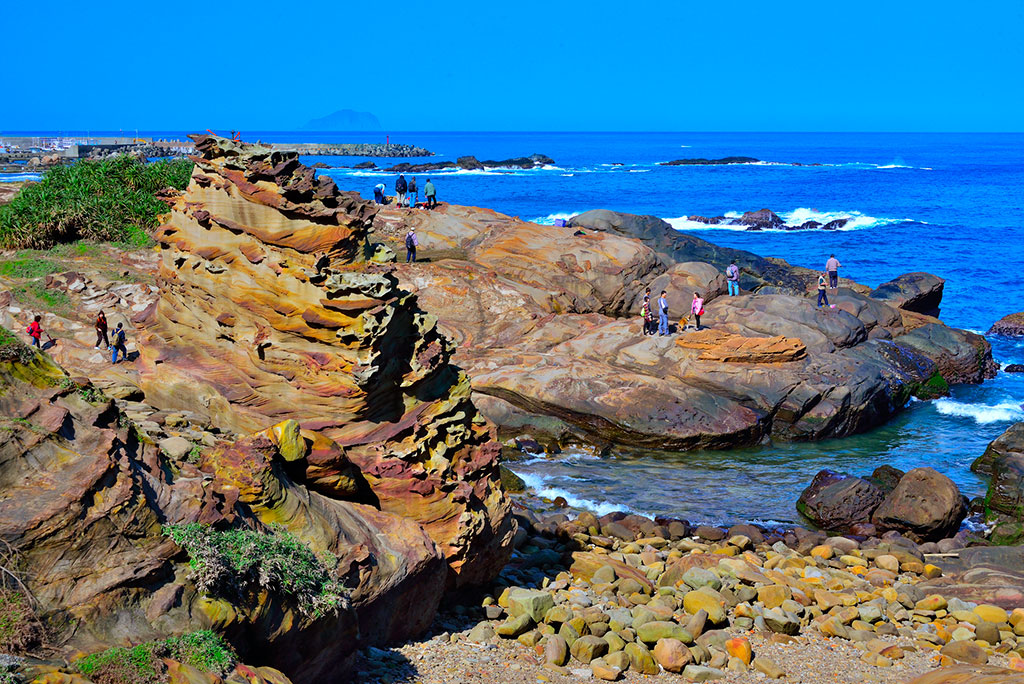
(35, 331)
(119, 344)
(411, 243)
(697, 309)
(101, 331)
(646, 315)
(400, 187)
(431, 193)
(663, 314)
(733, 275)
(414, 193)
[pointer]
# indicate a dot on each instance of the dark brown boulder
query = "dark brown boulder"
(919, 292)
(763, 218)
(836, 501)
(1003, 461)
(925, 505)
(470, 163)
(1011, 326)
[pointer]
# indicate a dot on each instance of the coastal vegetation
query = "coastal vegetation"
(142, 664)
(233, 564)
(107, 200)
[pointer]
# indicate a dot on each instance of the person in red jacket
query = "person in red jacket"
(35, 331)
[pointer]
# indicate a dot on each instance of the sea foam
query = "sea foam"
(1003, 412)
(540, 486)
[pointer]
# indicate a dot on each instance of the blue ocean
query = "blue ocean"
(949, 204)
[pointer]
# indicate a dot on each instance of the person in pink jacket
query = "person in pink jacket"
(697, 308)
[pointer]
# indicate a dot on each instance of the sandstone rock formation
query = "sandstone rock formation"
(922, 504)
(920, 292)
(83, 504)
(544, 318)
(272, 308)
(1011, 325)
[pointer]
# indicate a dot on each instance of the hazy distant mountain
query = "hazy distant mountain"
(344, 120)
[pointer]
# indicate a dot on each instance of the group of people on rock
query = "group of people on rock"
(655, 314)
(35, 333)
(407, 194)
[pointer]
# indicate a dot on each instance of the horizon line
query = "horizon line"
(123, 132)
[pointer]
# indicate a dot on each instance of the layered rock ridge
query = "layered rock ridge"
(272, 308)
(84, 507)
(545, 319)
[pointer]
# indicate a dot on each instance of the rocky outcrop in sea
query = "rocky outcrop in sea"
(470, 163)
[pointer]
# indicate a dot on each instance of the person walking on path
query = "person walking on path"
(697, 309)
(646, 315)
(431, 194)
(732, 273)
(378, 193)
(414, 193)
(663, 314)
(400, 187)
(101, 331)
(832, 266)
(119, 344)
(822, 295)
(411, 243)
(35, 331)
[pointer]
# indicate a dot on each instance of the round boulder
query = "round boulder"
(925, 505)
(836, 501)
(1011, 326)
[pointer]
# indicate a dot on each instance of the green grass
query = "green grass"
(203, 650)
(108, 200)
(20, 631)
(25, 266)
(13, 349)
(236, 564)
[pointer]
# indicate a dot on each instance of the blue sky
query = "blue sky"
(524, 65)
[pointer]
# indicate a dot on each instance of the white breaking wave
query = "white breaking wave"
(1003, 412)
(540, 487)
(550, 219)
(795, 219)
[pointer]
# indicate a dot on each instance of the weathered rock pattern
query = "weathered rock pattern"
(272, 308)
(1011, 325)
(545, 322)
(920, 292)
(83, 503)
(1003, 462)
(922, 504)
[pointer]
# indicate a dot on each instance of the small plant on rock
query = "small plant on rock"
(143, 664)
(235, 564)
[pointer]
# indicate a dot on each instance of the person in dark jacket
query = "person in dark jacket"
(414, 193)
(119, 344)
(101, 331)
(400, 187)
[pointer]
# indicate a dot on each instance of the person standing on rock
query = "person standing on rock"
(822, 295)
(400, 187)
(697, 309)
(663, 314)
(101, 331)
(431, 194)
(411, 243)
(732, 273)
(832, 266)
(119, 344)
(35, 331)
(414, 193)
(646, 315)
(378, 193)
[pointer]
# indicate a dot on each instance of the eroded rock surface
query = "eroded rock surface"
(83, 505)
(272, 308)
(545, 321)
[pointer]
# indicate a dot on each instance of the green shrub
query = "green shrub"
(143, 664)
(235, 564)
(111, 199)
